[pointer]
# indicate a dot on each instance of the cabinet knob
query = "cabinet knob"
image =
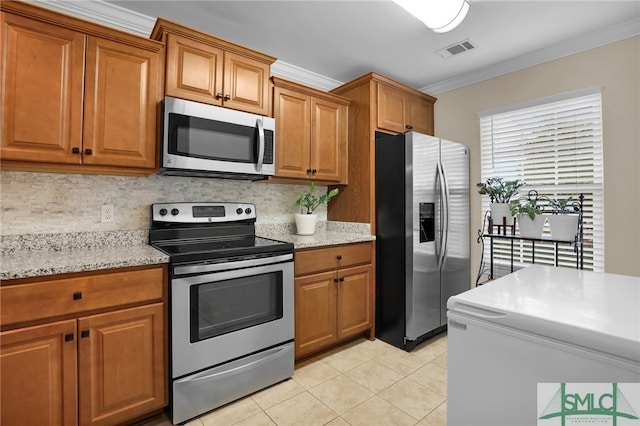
(75, 150)
(84, 333)
(339, 257)
(218, 95)
(88, 151)
(227, 97)
(341, 279)
(308, 170)
(314, 171)
(335, 280)
(408, 127)
(77, 295)
(68, 337)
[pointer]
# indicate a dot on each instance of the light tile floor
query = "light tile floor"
(361, 383)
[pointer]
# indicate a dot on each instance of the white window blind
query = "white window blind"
(554, 145)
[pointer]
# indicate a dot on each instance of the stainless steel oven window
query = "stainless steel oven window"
(223, 307)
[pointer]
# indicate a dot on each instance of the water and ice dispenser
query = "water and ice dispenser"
(427, 222)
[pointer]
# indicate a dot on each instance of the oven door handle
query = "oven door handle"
(216, 267)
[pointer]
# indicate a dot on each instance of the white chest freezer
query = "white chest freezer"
(538, 325)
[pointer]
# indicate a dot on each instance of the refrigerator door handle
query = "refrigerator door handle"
(445, 246)
(441, 180)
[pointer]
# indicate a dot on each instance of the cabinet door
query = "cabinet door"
(354, 300)
(420, 114)
(121, 97)
(292, 111)
(391, 109)
(42, 76)
(193, 70)
(246, 84)
(121, 364)
(315, 312)
(38, 379)
(328, 140)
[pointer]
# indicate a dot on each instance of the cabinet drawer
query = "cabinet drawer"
(52, 298)
(335, 257)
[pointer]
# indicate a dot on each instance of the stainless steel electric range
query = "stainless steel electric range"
(231, 304)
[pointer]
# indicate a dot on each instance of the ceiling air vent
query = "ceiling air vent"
(456, 49)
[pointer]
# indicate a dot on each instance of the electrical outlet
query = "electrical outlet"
(107, 213)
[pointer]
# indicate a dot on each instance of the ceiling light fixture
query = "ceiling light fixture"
(439, 15)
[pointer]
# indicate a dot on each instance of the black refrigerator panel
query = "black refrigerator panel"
(391, 239)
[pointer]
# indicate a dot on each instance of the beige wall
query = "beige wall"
(615, 67)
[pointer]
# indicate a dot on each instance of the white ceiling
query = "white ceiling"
(330, 42)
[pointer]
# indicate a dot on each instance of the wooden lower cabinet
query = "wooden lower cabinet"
(104, 366)
(121, 365)
(336, 304)
(38, 375)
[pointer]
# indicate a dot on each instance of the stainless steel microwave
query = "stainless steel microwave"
(209, 141)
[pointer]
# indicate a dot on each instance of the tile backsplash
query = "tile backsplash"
(43, 203)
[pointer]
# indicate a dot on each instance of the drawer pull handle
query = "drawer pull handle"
(339, 257)
(77, 295)
(84, 333)
(68, 337)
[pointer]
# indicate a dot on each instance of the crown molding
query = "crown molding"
(140, 24)
(103, 13)
(576, 45)
(303, 76)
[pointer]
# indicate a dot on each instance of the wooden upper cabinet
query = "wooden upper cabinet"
(246, 83)
(43, 74)
(120, 105)
(193, 70)
(420, 114)
(79, 97)
(311, 133)
(378, 103)
(391, 109)
(203, 68)
(400, 111)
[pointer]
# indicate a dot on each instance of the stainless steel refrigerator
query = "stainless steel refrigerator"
(422, 234)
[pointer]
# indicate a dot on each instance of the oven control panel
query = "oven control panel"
(202, 212)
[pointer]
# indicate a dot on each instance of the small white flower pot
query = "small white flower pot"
(530, 228)
(563, 226)
(306, 223)
(499, 211)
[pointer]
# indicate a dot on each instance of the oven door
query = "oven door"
(207, 138)
(243, 307)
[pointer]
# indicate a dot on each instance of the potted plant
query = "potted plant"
(529, 216)
(308, 203)
(563, 222)
(500, 192)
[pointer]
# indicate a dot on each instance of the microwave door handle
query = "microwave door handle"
(260, 145)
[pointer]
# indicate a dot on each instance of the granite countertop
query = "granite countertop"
(327, 234)
(34, 255)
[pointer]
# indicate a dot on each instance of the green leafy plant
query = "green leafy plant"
(310, 201)
(562, 205)
(500, 190)
(529, 207)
